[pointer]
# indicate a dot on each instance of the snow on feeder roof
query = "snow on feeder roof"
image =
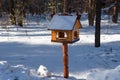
(62, 22)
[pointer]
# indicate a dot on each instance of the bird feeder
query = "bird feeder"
(65, 29)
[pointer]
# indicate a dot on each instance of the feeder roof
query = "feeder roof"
(62, 22)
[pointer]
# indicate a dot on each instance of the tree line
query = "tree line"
(17, 9)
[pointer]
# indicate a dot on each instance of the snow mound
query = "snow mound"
(20, 72)
(8, 72)
(112, 74)
(3, 65)
(43, 71)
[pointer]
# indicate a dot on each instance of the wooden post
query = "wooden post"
(65, 59)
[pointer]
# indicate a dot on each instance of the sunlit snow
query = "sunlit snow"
(28, 54)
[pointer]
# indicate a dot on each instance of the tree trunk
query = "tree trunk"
(97, 24)
(52, 7)
(0, 8)
(86, 7)
(65, 6)
(91, 12)
(115, 12)
(20, 13)
(12, 12)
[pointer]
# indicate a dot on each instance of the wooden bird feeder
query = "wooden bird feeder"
(65, 29)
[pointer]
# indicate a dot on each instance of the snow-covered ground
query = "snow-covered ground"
(28, 53)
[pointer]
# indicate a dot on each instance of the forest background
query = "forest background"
(16, 10)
